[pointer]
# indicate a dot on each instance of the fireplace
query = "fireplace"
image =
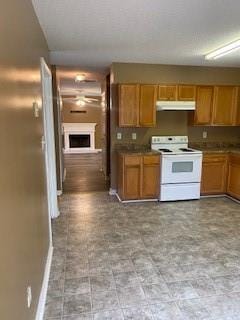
(79, 140)
(79, 137)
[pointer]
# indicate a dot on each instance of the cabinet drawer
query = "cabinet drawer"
(151, 159)
(132, 160)
(215, 157)
(234, 159)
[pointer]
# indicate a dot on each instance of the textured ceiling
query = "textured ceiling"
(97, 32)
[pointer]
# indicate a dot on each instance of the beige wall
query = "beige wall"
(168, 122)
(93, 115)
(24, 235)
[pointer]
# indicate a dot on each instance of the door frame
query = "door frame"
(108, 127)
(48, 142)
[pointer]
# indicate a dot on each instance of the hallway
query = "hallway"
(84, 173)
(148, 261)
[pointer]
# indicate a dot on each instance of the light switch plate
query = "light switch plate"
(134, 136)
(204, 134)
(119, 136)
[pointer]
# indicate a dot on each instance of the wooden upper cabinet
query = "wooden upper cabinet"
(186, 92)
(214, 174)
(128, 105)
(167, 92)
(147, 105)
(137, 105)
(237, 119)
(224, 105)
(204, 105)
(233, 186)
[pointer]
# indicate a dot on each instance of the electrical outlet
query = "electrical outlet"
(204, 135)
(134, 136)
(119, 136)
(29, 296)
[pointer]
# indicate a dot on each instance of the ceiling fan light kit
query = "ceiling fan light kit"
(227, 49)
(80, 77)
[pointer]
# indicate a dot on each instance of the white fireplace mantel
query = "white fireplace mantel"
(79, 128)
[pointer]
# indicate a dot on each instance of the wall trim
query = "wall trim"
(135, 201)
(221, 196)
(112, 192)
(43, 293)
(233, 199)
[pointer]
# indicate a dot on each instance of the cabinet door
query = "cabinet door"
(237, 120)
(186, 92)
(150, 177)
(214, 174)
(147, 106)
(128, 105)
(224, 105)
(132, 178)
(204, 104)
(167, 92)
(233, 187)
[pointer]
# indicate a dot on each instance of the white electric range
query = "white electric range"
(181, 168)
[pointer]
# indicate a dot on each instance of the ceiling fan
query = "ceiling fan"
(81, 78)
(81, 100)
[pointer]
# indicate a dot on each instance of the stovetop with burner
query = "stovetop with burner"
(172, 145)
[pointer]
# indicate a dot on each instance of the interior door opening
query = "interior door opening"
(85, 128)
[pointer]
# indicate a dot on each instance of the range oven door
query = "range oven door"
(181, 168)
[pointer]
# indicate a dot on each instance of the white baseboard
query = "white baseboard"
(222, 196)
(43, 293)
(233, 199)
(214, 196)
(59, 192)
(135, 201)
(112, 192)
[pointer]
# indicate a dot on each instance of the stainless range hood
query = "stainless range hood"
(175, 105)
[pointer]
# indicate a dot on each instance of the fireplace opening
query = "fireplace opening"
(79, 140)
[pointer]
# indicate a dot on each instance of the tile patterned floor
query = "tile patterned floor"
(148, 261)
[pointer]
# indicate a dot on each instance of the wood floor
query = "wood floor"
(84, 173)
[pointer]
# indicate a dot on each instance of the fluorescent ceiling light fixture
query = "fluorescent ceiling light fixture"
(229, 48)
(80, 77)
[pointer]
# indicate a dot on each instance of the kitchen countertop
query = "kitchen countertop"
(220, 150)
(140, 152)
(136, 149)
(214, 147)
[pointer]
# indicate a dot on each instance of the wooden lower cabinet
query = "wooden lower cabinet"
(214, 174)
(150, 177)
(233, 184)
(138, 176)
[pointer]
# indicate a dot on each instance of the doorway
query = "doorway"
(84, 129)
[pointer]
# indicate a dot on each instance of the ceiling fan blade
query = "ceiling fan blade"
(91, 99)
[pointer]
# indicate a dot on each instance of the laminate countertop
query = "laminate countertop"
(139, 152)
(220, 150)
